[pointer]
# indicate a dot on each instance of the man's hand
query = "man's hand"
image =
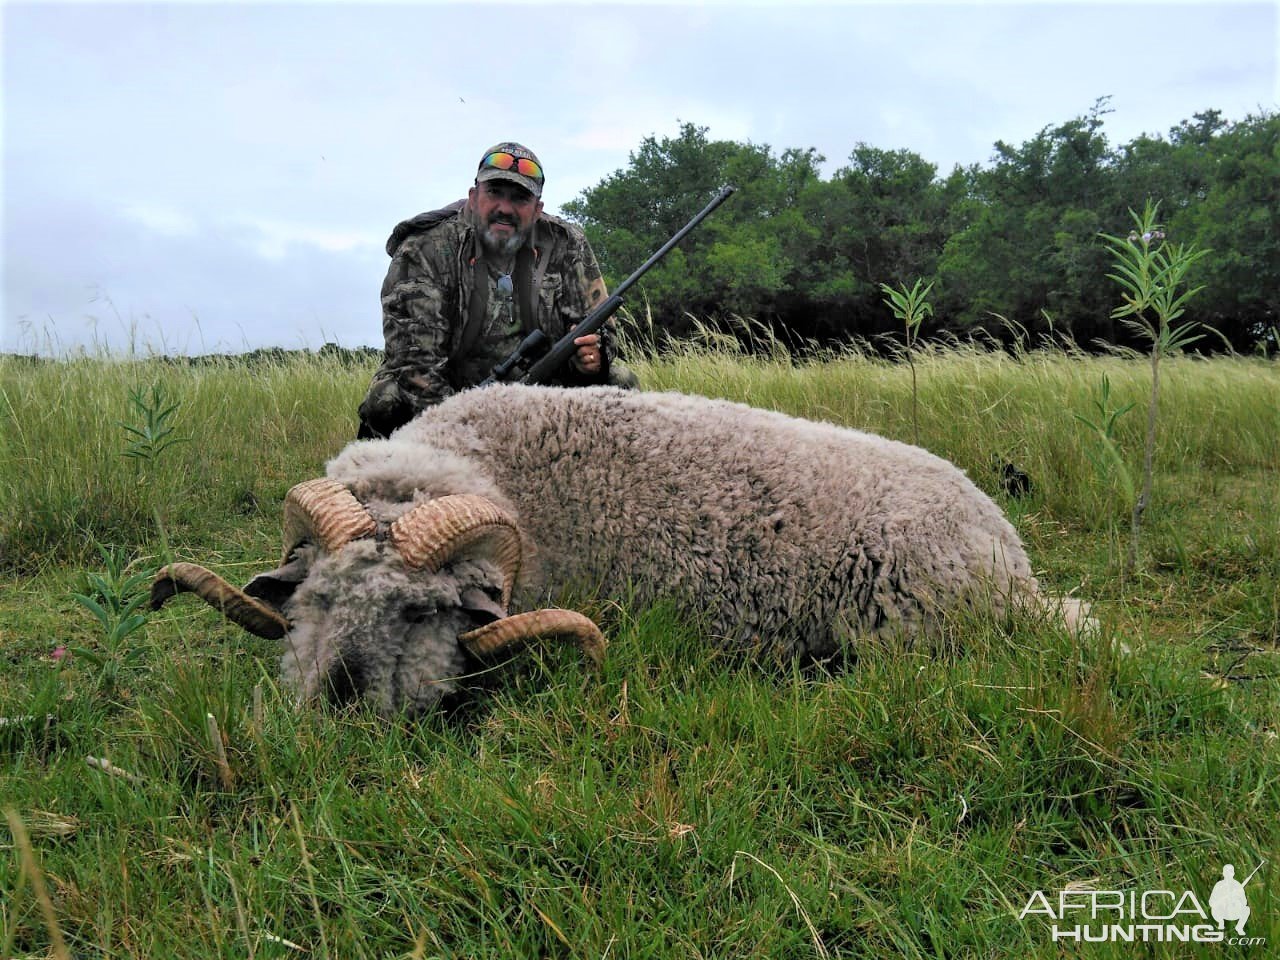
(588, 360)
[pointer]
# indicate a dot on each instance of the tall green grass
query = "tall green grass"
(255, 431)
(975, 403)
(676, 804)
(252, 431)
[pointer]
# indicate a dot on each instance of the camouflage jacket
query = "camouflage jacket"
(426, 301)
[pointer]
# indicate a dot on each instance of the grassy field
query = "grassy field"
(675, 805)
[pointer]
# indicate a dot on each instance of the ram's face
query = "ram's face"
(399, 613)
(364, 624)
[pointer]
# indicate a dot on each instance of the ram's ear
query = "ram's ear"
(276, 587)
(481, 607)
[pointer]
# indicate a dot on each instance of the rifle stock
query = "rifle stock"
(544, 369)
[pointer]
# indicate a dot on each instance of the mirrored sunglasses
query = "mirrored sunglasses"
(505, 161)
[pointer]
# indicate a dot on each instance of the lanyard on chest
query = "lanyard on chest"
(522, 279)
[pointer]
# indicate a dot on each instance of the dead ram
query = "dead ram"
(402, 567)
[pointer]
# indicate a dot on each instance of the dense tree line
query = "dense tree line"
(1013, 247)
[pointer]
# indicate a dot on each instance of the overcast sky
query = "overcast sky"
(193, 178)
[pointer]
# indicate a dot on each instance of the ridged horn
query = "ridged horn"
(436, 530)
(326, 513)
(233, 603)
(525, 628)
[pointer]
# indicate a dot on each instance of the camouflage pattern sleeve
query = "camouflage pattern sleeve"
(586, 290)
(419, 298)
(589, 281)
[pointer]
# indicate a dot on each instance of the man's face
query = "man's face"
(505, 213)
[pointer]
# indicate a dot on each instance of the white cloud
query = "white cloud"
(165, 221)
(243, 163)
(274, 239)
(618, 130)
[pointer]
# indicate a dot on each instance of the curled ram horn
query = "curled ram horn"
(432, 532)
(234, 604)
(522, 629)
(320, 511)
(324, 512)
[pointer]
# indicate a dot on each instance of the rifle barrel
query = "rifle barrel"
(718, 199)
(1255, 870)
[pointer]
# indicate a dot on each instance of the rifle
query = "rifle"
(1255, 870)
(550, 359)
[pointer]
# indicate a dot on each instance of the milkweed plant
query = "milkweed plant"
(910, 307)
(1152, 274)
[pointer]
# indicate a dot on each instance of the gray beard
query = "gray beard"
(505, 247)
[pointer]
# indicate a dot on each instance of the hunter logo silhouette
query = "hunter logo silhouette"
(1228, 901)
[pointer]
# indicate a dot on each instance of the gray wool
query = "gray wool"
(795, 535)
(363, 623)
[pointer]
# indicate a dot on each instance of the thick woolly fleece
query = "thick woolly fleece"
(789, 535)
